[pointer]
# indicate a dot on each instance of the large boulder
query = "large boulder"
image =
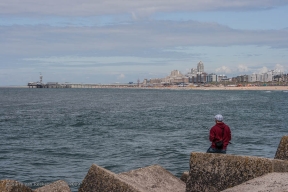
(216, 172)
(282, 151)
(154, 179)
(99, 179)
(271, 182)
(184, 176)
(13, 186)
(57, 186)
(148, 179)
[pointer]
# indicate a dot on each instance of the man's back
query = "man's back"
(220, 136)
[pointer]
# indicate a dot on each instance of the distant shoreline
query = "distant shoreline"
(222, 88)
(252, 88)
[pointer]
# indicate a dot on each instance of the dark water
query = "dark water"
(52, 134)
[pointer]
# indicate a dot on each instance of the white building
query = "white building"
(193, 71)
(200, 67)
(252, 78)
(212, 77)
(176, 77)
(259, 77)
(220, 77)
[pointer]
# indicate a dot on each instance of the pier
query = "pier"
(40, 84)
(78, 85)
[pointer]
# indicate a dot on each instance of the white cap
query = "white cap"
(219, 117)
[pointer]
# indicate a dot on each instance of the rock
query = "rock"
(99, 179)
(154, 178)
(184, 176)
(148, 179)
(13, 186)
(279, 165)
(282, 151)
(216, 172)
(57, 186)
(276, 182)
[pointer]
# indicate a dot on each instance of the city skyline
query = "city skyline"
(199, 76)
(106, 42)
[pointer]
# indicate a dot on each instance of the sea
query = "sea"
(57, 134)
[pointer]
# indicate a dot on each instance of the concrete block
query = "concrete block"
(13, 186)
(279, 165)
(282, 151)
(276, 182)
(154, 178)
(148, 179)
(184, 176)
(99, 179)
(216, 172)
(57, 186)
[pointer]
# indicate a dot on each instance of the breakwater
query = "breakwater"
(208, 172)
(80, 85)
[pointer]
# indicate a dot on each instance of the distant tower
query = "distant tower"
(41, 77)
(200, 67)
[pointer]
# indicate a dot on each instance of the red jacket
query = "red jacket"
(216, 133)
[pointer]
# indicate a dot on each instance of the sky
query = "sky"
(108, 41)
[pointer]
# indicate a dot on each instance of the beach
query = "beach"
(175, 87)
(252, 88)
(260, 88)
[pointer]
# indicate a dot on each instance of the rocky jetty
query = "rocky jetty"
(208, 172)
(148, 179)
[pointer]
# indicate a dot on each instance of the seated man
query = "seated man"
(220, 136)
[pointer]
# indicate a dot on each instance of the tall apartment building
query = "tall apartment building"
(200, 67)
(212, 77)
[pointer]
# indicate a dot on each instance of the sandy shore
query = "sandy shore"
(255, 88)
(263, 88)
(267, 88)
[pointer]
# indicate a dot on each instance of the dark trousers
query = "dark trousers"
(213, 150)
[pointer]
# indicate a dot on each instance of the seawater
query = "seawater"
(52, 134)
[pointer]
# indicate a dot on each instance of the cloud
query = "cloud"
(121, 76)
(262, 70)
(279, 68)
(223, 69)
(242, 68)
(136, 7)
(130, 38)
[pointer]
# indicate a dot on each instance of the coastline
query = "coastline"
(254, 88)
(221, 88)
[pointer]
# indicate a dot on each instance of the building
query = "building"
(252, 78)
(212, 77)
(200, 67)
(175, 77)
(221, 78)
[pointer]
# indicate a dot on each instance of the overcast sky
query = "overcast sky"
(110, 41)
